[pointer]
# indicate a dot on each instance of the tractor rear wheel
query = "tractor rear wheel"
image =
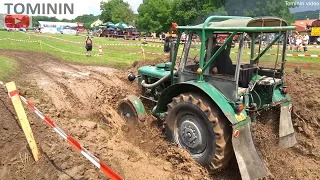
(201, 129)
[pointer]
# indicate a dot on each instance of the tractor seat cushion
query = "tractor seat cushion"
(268, 81)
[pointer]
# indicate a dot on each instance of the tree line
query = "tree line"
(157, 15)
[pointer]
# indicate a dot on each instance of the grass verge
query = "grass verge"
(7, 68)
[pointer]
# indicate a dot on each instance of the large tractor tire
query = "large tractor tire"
(200, 128)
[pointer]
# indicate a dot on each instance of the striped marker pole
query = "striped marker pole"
(98, 163)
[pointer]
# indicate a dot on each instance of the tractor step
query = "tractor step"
(250, 164)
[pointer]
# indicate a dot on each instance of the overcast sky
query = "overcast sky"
(80, 6)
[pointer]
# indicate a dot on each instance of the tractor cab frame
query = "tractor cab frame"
(208, 101)
(231, 85)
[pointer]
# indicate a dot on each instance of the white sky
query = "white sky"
(80, 6)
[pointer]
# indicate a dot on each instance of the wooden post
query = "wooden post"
(11, 87)
(41, 45)
(143, 53)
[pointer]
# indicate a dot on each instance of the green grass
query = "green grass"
(115, 56)
(119, 56)
(7, 68)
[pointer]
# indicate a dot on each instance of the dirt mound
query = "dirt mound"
(301, 161)
(150, 137)
(305, 90)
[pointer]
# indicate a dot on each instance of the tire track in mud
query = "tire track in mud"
(67, 93)
(62, 82)
(113, 88)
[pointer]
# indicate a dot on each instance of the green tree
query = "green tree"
(116, 11)
(254, 8)
(35, 19)
(187, 12)
(86, 18)
(87, 25)
(237, 7)
(155, 15)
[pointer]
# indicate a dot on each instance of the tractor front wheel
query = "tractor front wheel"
(201, 129)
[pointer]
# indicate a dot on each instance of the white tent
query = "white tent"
(96, 23)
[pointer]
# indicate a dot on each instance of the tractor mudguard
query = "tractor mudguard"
(287, 137)
(250, 164)
(202, 88)
(137, 106)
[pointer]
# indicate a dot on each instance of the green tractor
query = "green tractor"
(208, 101)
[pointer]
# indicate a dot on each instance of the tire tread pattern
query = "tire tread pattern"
(220, 127)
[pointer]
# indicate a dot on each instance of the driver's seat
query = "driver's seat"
(245, 75)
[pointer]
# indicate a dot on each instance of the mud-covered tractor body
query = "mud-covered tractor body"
(197, 86)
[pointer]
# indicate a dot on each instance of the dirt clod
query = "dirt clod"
(89, 124)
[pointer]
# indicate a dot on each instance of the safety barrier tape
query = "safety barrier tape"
(272, 54)
(292, 55)
(153, 53)
(160, 41)
(77, 42)
(59, 39)
(37, 41)
(98, 163)
(61, 50)
(288, 45)
(20, 40)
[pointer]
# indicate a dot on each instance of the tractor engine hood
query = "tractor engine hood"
(157, 71)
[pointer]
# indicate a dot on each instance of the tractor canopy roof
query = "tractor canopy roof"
(240, 24)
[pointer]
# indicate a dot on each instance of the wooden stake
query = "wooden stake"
(41, 45)
(11, 87)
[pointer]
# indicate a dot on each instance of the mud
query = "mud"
(303, 160)
(82, 101)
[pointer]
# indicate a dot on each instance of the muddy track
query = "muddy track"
(82, 100)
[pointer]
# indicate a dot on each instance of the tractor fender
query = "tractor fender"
(201, 88)
(138, 106)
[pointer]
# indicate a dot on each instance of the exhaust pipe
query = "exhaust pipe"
(160, 81)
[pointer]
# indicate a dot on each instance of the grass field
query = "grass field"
(119, 56)
(113, 56)
(7, 67)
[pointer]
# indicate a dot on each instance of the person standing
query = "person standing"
(305, 42)
(89, 46)
(299, 43)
